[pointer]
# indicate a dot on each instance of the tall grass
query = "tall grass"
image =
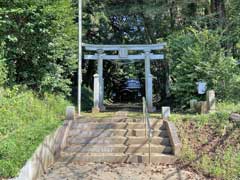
(25, 120)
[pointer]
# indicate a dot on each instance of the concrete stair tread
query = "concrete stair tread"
(114, 154)
(118, 140)
(118, 157)
(121, 137)
(118, 148)
(114, 120)
(115, 145)
(123, 130)
(115, 125)
(78, 132)
(99, 122)
(116, 133)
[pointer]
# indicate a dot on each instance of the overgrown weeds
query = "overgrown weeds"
(211, 144)
(25, 120)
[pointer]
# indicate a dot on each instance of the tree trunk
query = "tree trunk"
(218, 8)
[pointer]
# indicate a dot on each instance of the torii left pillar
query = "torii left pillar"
(99, 85)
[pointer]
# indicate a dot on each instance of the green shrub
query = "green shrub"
(86, 99)
(198, 55)
(228, 107)
(25, 121)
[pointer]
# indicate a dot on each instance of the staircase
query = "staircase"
(117, 141)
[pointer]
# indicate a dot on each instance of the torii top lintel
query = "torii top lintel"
(123, 51)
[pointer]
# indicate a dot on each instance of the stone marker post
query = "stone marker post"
(70, 113)
(96, 95)
(202, 107)
(166, 112)
(193, 104)
(211, 100)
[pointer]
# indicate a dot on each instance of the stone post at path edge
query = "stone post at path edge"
(96, 94)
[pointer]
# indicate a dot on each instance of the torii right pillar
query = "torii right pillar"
(148, 82)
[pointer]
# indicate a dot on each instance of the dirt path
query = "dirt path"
(103, 171)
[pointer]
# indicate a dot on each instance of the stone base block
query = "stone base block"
(193, 103)
(95, 110)
(153, 109)
(202, 107)
(102, 108)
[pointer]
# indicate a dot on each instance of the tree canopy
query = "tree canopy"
(39, 42)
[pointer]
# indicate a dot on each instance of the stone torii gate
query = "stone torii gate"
(144, 53)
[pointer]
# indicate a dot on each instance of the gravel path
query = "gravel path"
(104, 171)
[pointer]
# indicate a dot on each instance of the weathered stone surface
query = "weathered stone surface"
(174, 140)
(166, 112)
(114, 132)
(118, 158)
(95, 110)
(211, 101)
(118, 142)
(235, 117)
(108, 141)
(70, 113)
(193, 104)
(96, 95)
(104, 171)
(117, 148)
(202, 107)
(138, 126)
(82, 143)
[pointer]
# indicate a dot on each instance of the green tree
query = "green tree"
(40, 43)
(198, 55)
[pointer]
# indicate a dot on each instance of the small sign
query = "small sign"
(201, 87)
(133, 84)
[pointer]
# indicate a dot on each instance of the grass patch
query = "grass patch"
(25, 121)
(211, 144)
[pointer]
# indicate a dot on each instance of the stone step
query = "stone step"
(114, 132)
(114, 125)
(117, 158)
(113, 119)
(138, 148)
(117, 140)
